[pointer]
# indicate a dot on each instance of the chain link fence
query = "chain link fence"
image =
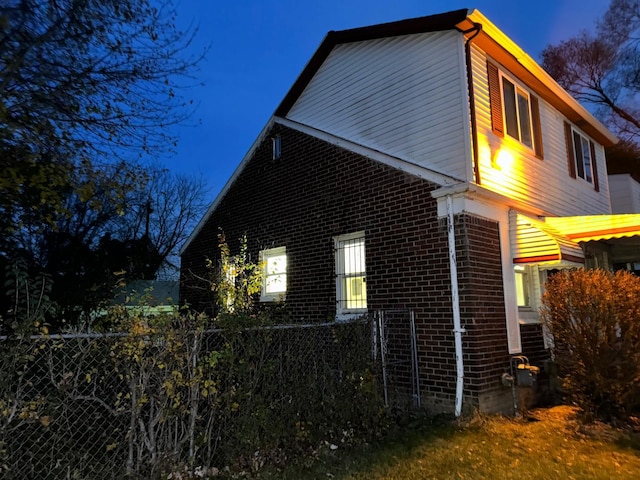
(180, 402)
(395, 351)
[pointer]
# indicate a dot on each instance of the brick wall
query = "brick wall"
(546, 391)
(316, 191)
(533, 344)
(482, 311)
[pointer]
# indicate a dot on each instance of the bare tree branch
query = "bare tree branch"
(603, 68)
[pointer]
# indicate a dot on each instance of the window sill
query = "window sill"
(528, 316)
(273, 298)
(351, 316)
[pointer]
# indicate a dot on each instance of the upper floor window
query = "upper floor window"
(351, 279)
(517, 113)
(581, 156)
(514, 110)
(274, 281)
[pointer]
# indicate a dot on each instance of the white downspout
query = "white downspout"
(455, 300)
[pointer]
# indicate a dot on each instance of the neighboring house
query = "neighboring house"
(625, 199)
(403, 146)
(151, 296)
(625, 193)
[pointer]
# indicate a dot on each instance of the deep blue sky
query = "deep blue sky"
(258, 48)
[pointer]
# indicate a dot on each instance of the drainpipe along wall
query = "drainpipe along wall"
(455, 297)
(455, 300)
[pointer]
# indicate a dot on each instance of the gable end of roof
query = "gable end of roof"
(431, 23)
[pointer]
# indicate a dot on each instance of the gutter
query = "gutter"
(476, 29)
(455, 300)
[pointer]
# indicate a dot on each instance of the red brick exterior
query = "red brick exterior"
(482, 311)
(317, 191)
(533, 344)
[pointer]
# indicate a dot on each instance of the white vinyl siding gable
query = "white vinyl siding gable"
(403, 96)
(544, 184)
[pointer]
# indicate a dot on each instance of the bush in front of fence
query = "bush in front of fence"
(179, 395)
(176, 393)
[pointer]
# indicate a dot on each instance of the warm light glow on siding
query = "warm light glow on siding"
(503, 160)
(501, 170)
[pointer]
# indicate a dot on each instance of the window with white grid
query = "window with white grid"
(274, 281)
(351, 277)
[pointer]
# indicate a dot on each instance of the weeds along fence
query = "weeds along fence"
(175, 400)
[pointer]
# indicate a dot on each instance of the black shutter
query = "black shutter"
(495, 100)
(571, 159)
(537, 128)
(594, 167)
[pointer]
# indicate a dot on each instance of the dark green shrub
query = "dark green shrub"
(594, 318)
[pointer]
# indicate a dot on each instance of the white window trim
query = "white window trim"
(276, 151)
(583, 137)
(519, 88)
(264, 256)
(537, 277)
(345, 314)
(525, 274)
(529, 314)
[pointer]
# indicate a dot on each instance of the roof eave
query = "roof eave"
(499, 46)
(431, 23)
(491, 39)
(227, 186)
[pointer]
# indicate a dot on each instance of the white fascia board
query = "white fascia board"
(397, 163)
(227, 185)
(471, 197)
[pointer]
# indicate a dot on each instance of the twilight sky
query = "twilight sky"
(259, 47)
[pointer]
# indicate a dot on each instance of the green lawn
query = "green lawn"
(549, 444)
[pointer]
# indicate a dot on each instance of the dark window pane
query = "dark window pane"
(577, 144)
(586, 157)
(511, 117)
(525, 123)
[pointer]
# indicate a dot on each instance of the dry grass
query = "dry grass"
(548, 444)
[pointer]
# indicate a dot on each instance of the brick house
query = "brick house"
(420, 165)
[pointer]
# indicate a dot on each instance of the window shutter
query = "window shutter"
(594, 167)
(495, 100)
(571, 160)
(537, 128)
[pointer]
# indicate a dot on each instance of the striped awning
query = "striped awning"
(596, 227)
(535, 241)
